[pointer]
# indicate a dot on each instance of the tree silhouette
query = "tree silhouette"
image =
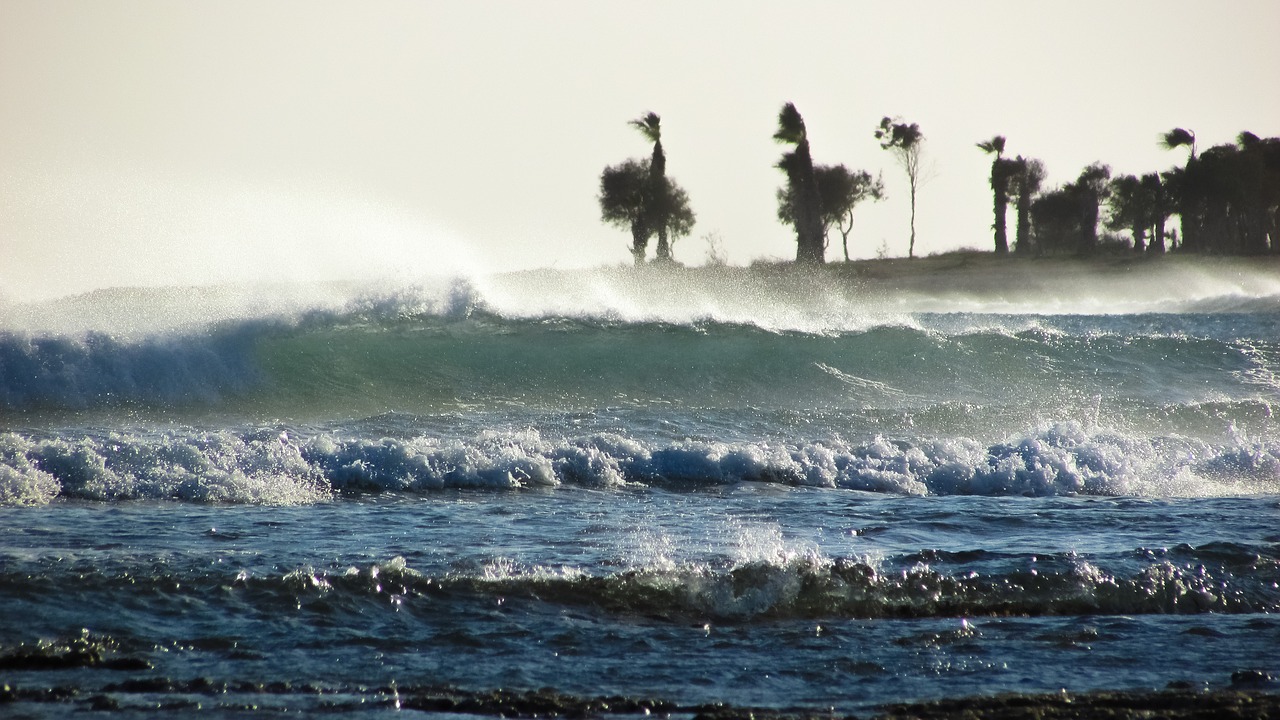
(839, 192)
(906, 142)
(650, 126)
(1229, 198)
(1178, 137)
(624, 193)
(1090, 189)
(1186, 206)
(1029, 175)
(1055, 215)
(1159, 215)
(1002, 173)
(1132, 207)
(802, 185)
(627, 200)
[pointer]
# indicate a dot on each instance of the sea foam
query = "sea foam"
(271, 467)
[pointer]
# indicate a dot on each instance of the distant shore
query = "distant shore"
(955, 281)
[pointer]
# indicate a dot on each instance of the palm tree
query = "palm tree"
(802, 185)
(1178, 137)
(650, 126)
(906, 142)
(1132, 207)
(1027, 179)
(1089, 190)
(1002, 172)
(1186, 205)
(1158, 195)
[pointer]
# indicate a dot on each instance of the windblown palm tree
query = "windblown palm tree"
(1002, 172)
(650, 126)
(1090, 189)
(1132, 207)
(1187, 212)
(1177, 138)
(803, 186)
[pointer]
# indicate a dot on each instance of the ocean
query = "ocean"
(779, 490)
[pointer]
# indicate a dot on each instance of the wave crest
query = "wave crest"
(269, 466)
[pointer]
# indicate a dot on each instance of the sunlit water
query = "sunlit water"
(802, 499)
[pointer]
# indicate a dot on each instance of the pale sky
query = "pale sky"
(154, 142)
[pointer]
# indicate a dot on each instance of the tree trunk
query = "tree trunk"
(639, 241)
(809, 246)
(1022, 244)
(1002, 237)
(844, 235)
(658, 191)
(1157, 235)
(911, 248)
(663, 250)
(1000, 203)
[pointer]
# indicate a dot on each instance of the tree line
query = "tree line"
(637, 195)
(1227, 199)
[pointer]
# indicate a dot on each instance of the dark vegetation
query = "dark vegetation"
(638, 195)
(1227, 199)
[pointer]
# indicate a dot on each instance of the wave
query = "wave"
(454, 347)
(1180, 580)
(273, 467)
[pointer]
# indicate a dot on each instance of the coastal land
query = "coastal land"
(958, 281)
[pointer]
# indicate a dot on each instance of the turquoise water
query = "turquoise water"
(794, 499)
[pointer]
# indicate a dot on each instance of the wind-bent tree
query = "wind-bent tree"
(1179, 137)
(802, 185)
(627, 200)
(1187, 212)
(839, 192)
(1090, 189)
(1160, 210)
(1055, 215)
(1066, 218)
(1230, 198)
(650, 126)
(1002, 173)
(906, 142)
(1027, 179)
(1132, 208)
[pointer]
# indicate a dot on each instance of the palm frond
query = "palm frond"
(790, 125)
(649, 124)
(994, 145)
(1176, 138)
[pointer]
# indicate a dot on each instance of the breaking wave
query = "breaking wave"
(273, 467)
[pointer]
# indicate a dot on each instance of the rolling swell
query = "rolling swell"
(396, 355)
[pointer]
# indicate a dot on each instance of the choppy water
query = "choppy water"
(763, 492)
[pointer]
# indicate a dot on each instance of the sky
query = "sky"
(152, 142)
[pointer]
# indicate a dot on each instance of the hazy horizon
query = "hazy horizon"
(147, 143)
